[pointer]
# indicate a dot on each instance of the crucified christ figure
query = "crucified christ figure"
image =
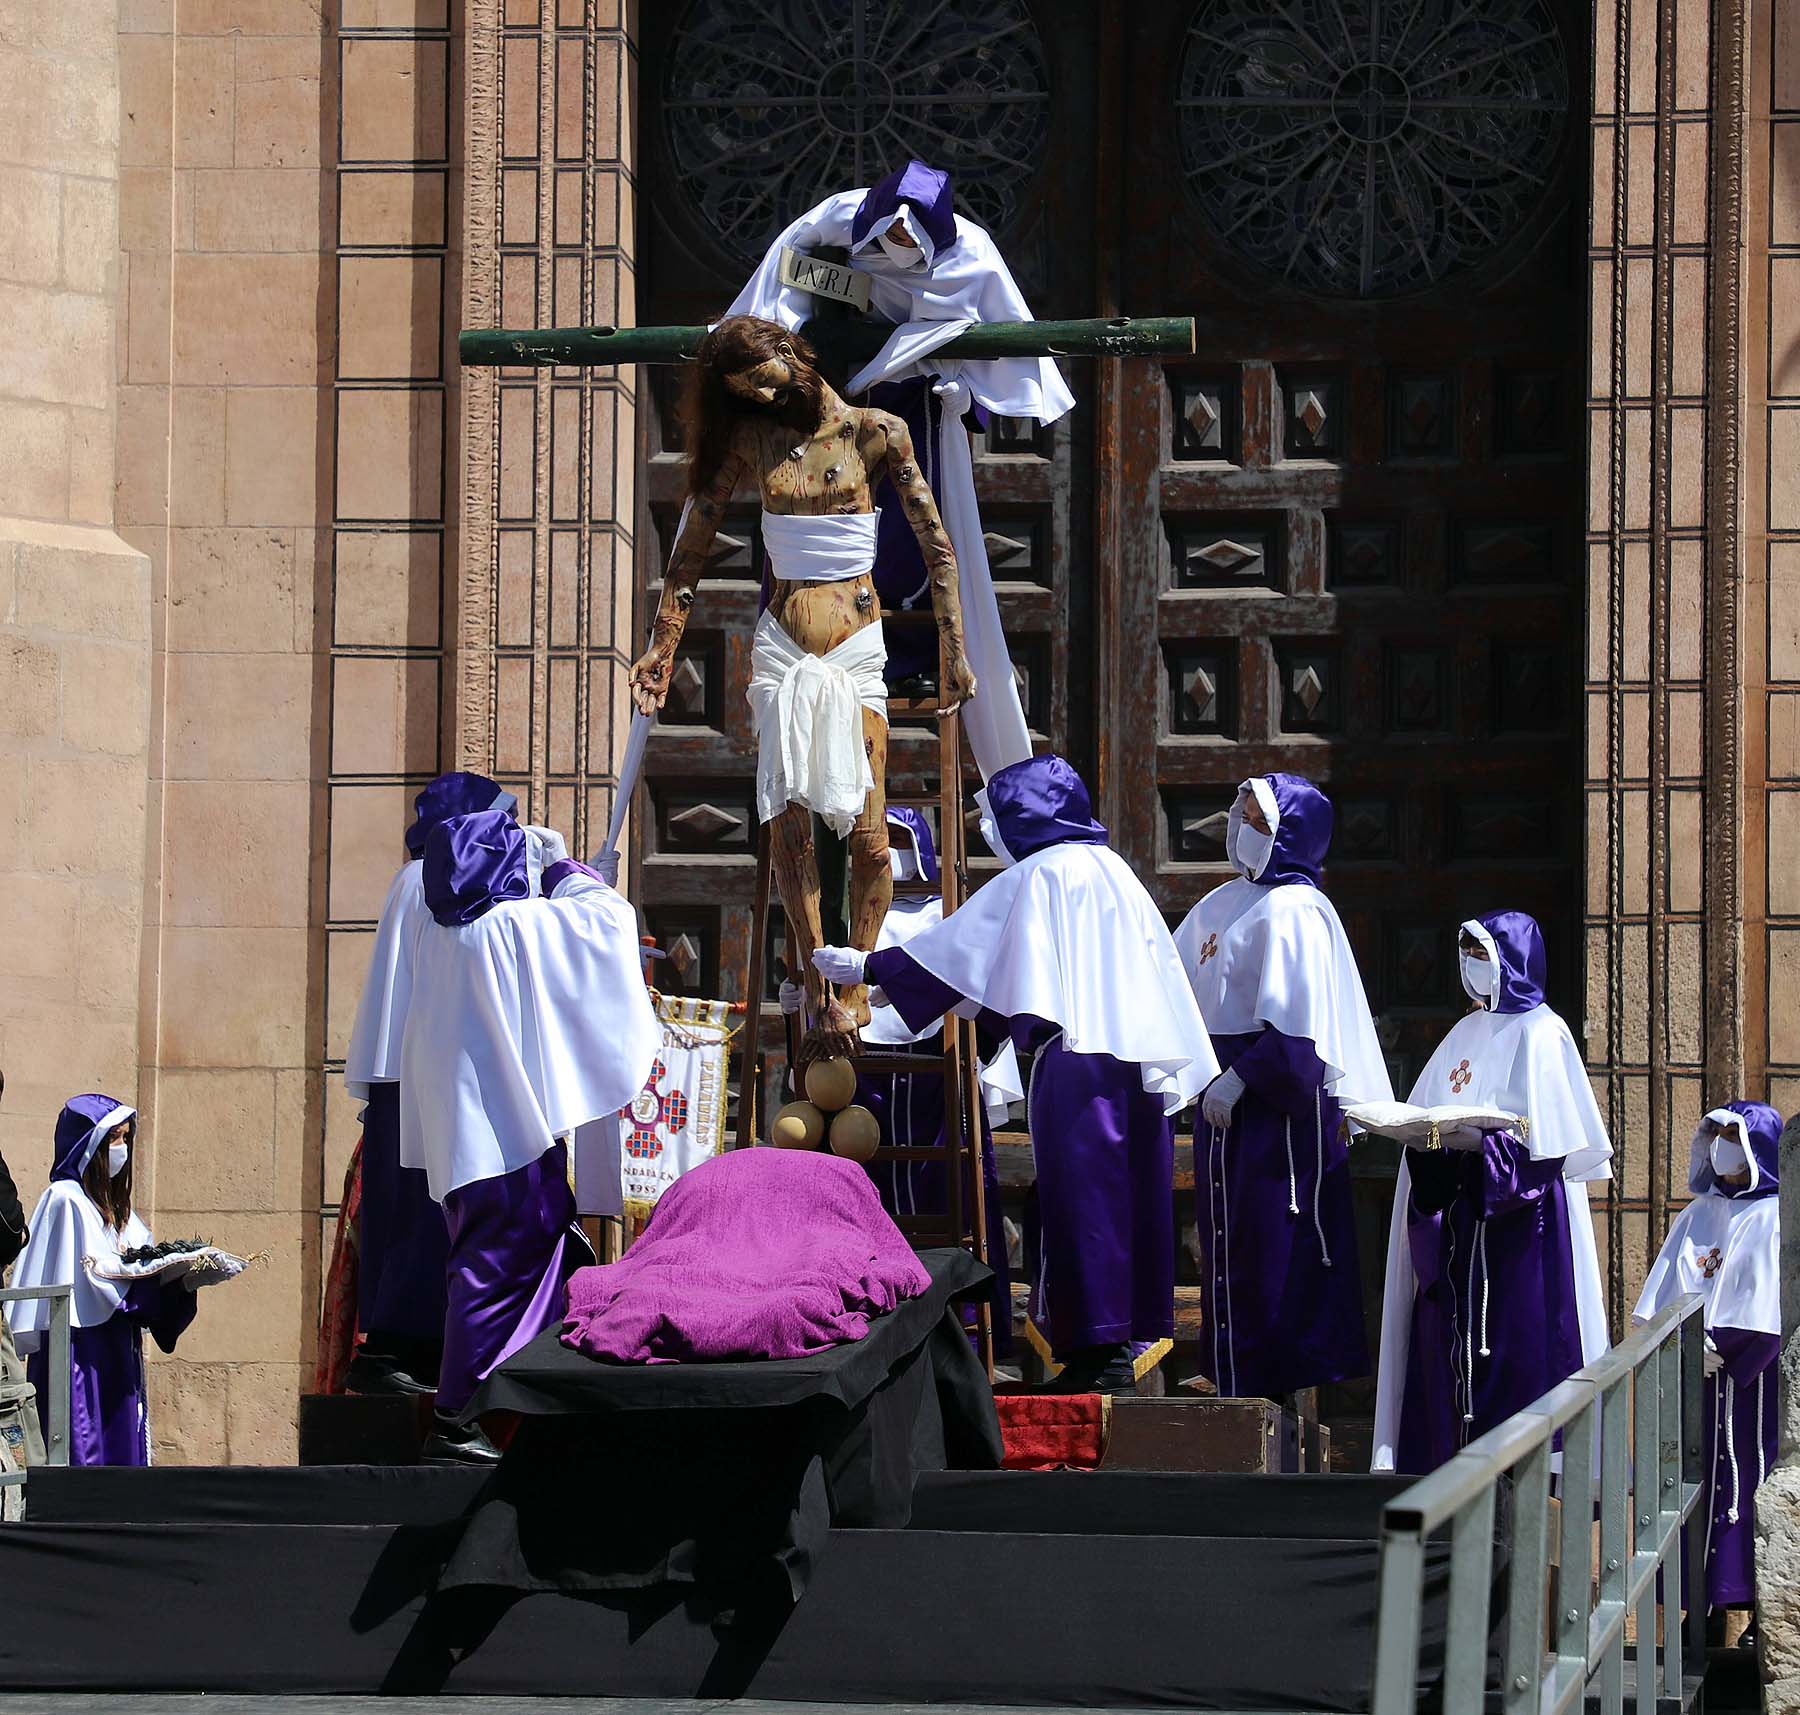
(757, 405)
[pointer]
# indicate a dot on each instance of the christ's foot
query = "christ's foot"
(855, 1001)
(834, 1037)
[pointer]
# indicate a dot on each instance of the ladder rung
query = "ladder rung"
(917, 889)
(915, 1152)
(900, 1064)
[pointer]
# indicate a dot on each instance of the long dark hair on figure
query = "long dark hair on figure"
(710, 411)
(112, 1197)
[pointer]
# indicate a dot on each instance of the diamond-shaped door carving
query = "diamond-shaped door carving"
(1417, 972)
(1204, 417)
(1418, 689)
(684, 958)
(1422, 417)
(1202, 689)
(1308, 679)
(1528, 688)
(1363, 831)
(1516, 829)
(1313, 415)
(1231, 554)
(706, 824)
(1362, 555)
(1504, 554)
(1531, 416)
(687, 691)
(1197, 823)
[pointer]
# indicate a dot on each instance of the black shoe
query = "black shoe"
(1749, 1639)
(453, 1443)
(1094, 1369)
(917, 686)
(377, 1373)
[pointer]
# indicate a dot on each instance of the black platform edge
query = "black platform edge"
(1053, 1602)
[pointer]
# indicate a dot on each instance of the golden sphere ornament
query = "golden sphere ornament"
(799, 1126)
(855, 1134)
(831, 1084)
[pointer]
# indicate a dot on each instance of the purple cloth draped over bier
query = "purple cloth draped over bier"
(513, 1244)
(1281, 1301)
(1494, 1316)
(1105, 1161)
(108, 1422)
(405, 1242)
(757, 1254)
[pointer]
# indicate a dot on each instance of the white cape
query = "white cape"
(530, 1021)
(968, 283)
(1069, 935)
(1523, 1063)
(373, 1056)
(1280, 957)
(66, 1229)
(1739, 1241)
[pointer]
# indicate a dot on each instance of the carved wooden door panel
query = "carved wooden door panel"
(1351, 531)
(750, 116)
(1352, 537)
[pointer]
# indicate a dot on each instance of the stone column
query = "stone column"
(74, 598)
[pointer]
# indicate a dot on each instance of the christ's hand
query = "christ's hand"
(650, 674)
(959, 685)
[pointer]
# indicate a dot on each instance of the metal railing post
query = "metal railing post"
(1646, 1516)
(1528, 1564)
(58, 1367)
(1471, 1592)
(1400, 1596)
(1693, 1477)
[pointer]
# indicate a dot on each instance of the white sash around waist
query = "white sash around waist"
(820, 550)
(808, 713)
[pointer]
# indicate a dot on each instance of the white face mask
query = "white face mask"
(1480, 978)
(1252, 851)
(902, 255)
(117, 1154)
(1728, 1157)
(990, 831)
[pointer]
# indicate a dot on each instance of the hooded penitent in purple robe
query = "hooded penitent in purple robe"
(1726, 1246)
(950, 277)
(529, 1017)
(1279, 989)
(403, 1242)
(1493, 1291)
(1066, 951)
(909, 1107)
(108, 1420)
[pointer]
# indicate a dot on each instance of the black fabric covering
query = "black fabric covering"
(1221, 1623)
(724, 1478)
(252, 1495)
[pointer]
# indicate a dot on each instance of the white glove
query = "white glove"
(607, 863)
(550, 845)
(1219, 1098)
(793, 997)
(841, 965)
(1710, 1360)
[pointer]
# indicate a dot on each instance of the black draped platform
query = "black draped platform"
(618, 1552)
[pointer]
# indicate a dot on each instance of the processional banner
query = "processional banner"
(678, 1118)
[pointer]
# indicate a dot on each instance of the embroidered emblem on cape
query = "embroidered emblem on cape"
(1708, 1261)
(1208, 948)
(652, 1113)
(1461, 1078)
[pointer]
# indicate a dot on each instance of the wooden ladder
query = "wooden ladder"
(963, 1224)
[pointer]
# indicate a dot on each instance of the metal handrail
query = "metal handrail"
(57, 1372)
(1633, 1420)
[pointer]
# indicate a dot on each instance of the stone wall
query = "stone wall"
(225, 449)
(74, 598)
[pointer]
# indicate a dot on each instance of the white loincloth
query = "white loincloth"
(820, 550)
(809, 729)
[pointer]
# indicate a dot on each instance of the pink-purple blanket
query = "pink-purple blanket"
(758, 1253)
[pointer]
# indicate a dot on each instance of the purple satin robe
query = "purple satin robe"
(1280, 1285)
(513, 1244)
(1494, 1322)
(405, 1244)
(1104, 1152)
(1737, 1463)
(108, 1417)
(909, 1108)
